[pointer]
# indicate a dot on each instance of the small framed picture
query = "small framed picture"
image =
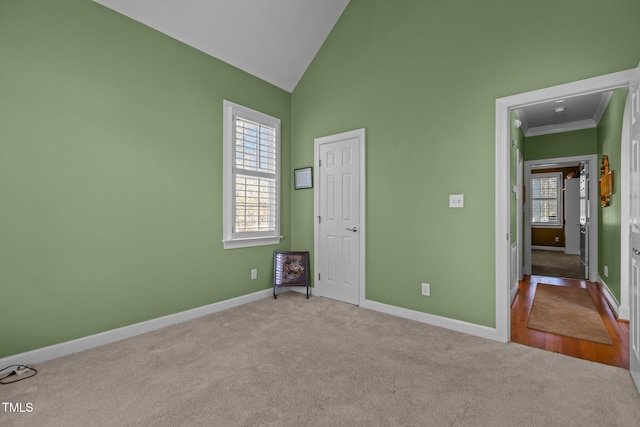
(303, 178)
(290, 269)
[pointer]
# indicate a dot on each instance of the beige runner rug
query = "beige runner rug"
(567, 311)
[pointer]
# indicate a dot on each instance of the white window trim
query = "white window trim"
(560, 200)
(229, 241)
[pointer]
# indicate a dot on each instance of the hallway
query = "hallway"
(555, 264)
(616, 355)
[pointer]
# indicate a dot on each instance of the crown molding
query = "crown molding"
(562, 127)
(602, 106)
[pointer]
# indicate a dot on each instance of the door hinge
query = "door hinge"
(319, 163)
(318, 276)
(319, 219)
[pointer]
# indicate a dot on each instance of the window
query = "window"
(546, 200)
(251, 177)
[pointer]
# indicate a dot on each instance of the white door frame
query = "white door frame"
(594, 200)
(624, 311)
(519, 213)
(503, 178)
(360, 135)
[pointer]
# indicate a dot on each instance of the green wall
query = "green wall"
(110, 174)
(609, 228)
(422, 78)
(563, 144)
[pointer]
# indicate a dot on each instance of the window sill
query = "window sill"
(250, 242)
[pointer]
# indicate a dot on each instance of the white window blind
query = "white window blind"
(255, 177)
(546, 199)
(252, 184)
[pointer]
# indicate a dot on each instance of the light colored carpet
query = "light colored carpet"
(569, 311)
(318, 362)
(555, 264)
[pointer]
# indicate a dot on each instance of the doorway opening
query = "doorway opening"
(569, 233)
(503, 189)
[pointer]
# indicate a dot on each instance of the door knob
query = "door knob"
(354, 229)
(635, 251)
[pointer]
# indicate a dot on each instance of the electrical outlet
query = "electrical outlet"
(254, 273)
(557, 239)
(606, 271)
(426, 289)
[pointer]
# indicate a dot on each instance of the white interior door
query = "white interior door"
(572, 216)
(633, 103)
(585, 219)
(339, 207)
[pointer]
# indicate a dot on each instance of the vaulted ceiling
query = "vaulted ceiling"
(274, 40)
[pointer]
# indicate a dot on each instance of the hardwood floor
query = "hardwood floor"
(616, 355)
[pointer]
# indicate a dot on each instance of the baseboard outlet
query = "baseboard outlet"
(620, 313)
(69, 347)
(430, 319)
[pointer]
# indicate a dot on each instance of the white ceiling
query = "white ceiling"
(580, 112)
(274, 40)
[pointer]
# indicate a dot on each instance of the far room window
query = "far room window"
(251, 177)
(546, 200)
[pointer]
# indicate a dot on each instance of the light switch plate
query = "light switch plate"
(456, 200)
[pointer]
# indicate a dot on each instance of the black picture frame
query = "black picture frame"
(303, 178)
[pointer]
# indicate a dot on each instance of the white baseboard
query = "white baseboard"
(514, 260)
(621, 312)
(443, 322)
(301, 289)
(58, 350)
(624, 313)
(514, 292)
(69, 347)
(548, 248)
